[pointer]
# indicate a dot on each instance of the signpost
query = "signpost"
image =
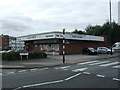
(26, 54)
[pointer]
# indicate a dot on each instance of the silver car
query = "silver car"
(104, 50)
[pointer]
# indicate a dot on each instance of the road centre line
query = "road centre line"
(72, 76)
(113, 63)
(100, 76)
(87, 62)
(116, 79)
(100, 63)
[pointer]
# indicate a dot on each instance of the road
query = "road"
(90, 74)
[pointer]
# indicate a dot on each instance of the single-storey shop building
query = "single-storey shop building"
(74, 43)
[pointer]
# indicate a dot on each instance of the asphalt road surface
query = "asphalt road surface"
(90, 74)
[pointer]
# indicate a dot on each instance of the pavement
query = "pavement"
(52, 60)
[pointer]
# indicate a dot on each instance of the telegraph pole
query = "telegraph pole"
(63, 45)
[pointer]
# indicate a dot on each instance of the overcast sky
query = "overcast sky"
(23, 17)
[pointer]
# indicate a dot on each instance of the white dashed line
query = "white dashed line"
(64, 67)
(100, 63)
(72, 76)
(56, 68)
(10, 73)
(116, 79)
(118, 66)
(44, 68)
(0, 74)
(100, 76)
(109, 64)
(87, 62)
(33, 69)
(22, 71)
(43, 83)
(86, 72)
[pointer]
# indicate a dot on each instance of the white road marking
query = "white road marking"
(109, 64)
(44, 68)
(10, 73)
(100, 63)
(64, 67)
(116, 79)
(22, 71)
(81, 69)
(56, 68)
(86, 72)
(87, 62)
(118, 66)
(100, 76)
(0, 74)
(72, 76)
(33, 69)
(42, 83)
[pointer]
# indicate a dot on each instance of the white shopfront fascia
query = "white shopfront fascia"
(60, 36)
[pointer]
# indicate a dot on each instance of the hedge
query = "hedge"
(16, 55)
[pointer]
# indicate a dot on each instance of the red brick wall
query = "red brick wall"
(4, 42)
(77, 47)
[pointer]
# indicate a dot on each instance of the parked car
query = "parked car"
(10, 51)
(2, 51)
(104, 50)
(89, 51)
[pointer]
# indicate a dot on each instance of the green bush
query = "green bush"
(37, 54)
(16, 55)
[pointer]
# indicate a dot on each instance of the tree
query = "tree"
(109, 29)
(78, 31)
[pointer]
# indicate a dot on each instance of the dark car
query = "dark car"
(89, 51)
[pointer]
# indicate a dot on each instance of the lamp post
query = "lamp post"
(63, 45)
(110, 26)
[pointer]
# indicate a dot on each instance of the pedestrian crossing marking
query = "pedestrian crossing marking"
(108, 64)
(118, 66)
(100, 63)
(87, 62)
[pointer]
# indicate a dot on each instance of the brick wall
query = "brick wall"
(76, 48)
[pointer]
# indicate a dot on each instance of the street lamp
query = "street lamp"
(110, 26)
(63, 45)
